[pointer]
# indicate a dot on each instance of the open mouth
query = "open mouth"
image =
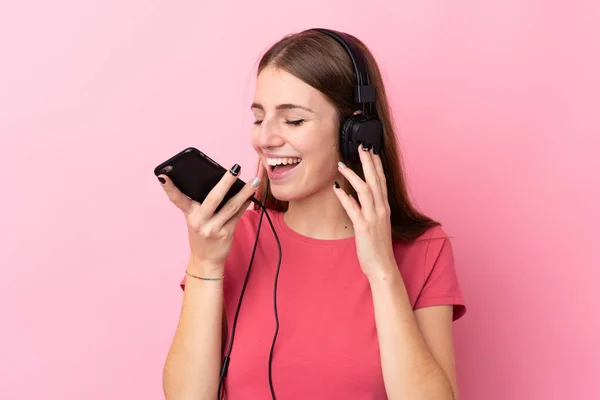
(281, 165)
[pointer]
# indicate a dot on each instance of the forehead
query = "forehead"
(275, 86)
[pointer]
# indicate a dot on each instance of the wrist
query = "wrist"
(204, 277)
(388, 273)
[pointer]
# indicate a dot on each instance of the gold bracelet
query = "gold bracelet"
(203, 278)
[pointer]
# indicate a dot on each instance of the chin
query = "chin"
(287, 192)
(293, 191)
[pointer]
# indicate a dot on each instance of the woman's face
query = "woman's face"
(295, 135)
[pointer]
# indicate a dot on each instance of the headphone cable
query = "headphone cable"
(276, 314)
(227, 358)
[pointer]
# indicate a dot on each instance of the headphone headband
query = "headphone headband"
(364, 129)
(364, 92)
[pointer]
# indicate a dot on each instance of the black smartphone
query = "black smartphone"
(195, 174)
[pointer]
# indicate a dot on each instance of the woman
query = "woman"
(367, 290)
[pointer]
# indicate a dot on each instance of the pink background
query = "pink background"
(497, 107)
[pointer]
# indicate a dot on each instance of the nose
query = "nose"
(268, 134)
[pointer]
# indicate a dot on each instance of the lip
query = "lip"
(278, 156)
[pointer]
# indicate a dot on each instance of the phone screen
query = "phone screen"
(195, 174)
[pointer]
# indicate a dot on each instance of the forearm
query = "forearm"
(192, 366)
(409, 369)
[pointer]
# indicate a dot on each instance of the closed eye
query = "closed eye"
(297, 122)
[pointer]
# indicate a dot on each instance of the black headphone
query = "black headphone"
(365, 128)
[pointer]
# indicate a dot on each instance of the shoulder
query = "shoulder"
(425, 249)
(427, 267)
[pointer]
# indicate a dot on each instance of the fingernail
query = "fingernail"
(365, 148)
(162, 180)
(255, 182)
(336, 184)
(235, 170)
(342, 165)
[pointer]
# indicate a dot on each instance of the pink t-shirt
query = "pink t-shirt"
(327, 346)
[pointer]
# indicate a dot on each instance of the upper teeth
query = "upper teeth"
(284, 161)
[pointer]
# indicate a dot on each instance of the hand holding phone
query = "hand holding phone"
(212, 200)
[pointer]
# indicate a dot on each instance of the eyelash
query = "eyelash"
(297, 122)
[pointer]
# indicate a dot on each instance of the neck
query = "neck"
(319, 216)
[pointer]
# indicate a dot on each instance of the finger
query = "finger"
(233, 206)
(350, 205)
(381, 174)
(362, 189)
(371, 176)
(232, 222)
(218, 192)
(180, 200)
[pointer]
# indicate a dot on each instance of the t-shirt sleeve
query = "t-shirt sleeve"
(441, 286)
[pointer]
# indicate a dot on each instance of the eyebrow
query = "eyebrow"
(286, 106)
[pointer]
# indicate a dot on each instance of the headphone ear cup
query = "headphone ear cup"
(347, 145)
(344, 136)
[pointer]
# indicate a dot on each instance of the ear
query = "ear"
(357, 112)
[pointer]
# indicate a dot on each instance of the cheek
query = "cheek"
(322, 153)
(331, 134)
(254, 139)
(324, 135)
(329, 142)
